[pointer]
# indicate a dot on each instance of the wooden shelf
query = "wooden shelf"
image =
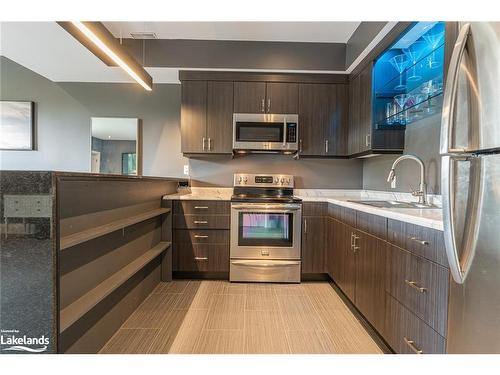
(71, 313)
(89, 234)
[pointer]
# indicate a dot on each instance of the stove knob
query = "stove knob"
(240, 179)
(245, 179)
(288, 181)
(282, 180)
(276, 180)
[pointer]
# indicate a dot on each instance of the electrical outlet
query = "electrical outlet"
(186, 170)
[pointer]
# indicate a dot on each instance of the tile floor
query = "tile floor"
(194, 316)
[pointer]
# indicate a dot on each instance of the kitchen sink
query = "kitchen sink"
(394, 204)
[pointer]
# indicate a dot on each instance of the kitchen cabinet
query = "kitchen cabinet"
(370, 253)
(265, 97)
(360, 120)
(313, 244)
(206, 117)
(201, 238)
(323, 116)
(193, 116)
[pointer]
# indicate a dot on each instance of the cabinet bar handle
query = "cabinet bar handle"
(368, 140)
(203, 143)
(300, 145)
(421, 242)
(200, 222)
(204, 259)
(305, 226)
(326, 146)
(201, 207)
(200, 236)
(414, 285)
(412, 346)
(209, 144)
(262, 105)
(268, 105)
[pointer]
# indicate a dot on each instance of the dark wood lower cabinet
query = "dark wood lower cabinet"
(407, 334)
(314, 235)
(370, 253)
(202, 257)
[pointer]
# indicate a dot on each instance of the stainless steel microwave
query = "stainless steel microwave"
(265, 132)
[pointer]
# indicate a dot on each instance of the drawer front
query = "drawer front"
(262, 271)
(201, 236)
(314, 208)
(202, 207)
(201, 257)
(426, 242)
(372, 224)
(420, 285)
(200, 221)
(407, 334)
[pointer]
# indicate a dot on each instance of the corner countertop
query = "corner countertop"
(430, 218)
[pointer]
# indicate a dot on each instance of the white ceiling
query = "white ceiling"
(112, 128)
(328, 32)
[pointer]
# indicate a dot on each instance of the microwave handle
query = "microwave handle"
(284, 131)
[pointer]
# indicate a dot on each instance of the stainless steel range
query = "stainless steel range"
(265, 229)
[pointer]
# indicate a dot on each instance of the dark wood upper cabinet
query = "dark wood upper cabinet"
(220, 117)
(360, 121)
(323, 119)
(249, 97)
(193, 116)
(282, 98)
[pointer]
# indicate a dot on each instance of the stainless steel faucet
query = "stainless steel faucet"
(422, 192)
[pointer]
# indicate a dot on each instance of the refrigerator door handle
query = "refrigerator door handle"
(450, 93)
(460, 263)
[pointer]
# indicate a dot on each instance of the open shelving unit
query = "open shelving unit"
(71, 313)
(408, 77)
(101, 230)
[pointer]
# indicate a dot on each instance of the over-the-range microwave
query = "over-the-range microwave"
(265, 132)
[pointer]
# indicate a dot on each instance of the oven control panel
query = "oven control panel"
(263, 180)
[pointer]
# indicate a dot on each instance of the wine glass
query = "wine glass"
(401, 100)
(434, 38)
(400, 62)
(414, 53)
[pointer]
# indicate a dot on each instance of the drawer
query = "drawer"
(372, 224)
(202, 207)
(420, 285)
(201, 236)
(314, 208)
(200, 221)
(426, 242)
(281, 271)
(201, 257)
(407, 334)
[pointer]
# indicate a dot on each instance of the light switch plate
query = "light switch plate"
(186, 169)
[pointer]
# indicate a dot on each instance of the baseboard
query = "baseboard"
(314, 277)
(201, 275)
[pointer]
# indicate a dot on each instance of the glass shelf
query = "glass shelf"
(420, 69)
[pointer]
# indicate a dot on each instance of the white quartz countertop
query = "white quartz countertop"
(430, 218)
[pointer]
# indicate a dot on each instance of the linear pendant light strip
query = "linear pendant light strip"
(102, 43)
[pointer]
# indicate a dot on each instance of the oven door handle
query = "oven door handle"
(281, 263)
(267, 207)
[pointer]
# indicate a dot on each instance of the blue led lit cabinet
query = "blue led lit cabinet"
(408, 77)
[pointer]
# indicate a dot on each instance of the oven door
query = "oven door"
(263, 132)
(265, 230)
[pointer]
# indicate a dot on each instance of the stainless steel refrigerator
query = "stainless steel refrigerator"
(470, 183)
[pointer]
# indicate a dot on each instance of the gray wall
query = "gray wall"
(422, 140)
(62, 123)
(360, 39)
(310, 173)
(63, 118)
